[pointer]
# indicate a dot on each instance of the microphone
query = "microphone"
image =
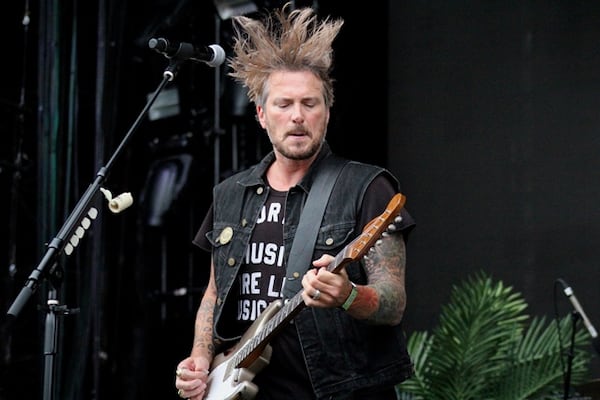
(213, 55)
(590, 328)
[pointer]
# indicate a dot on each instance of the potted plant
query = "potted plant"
(486, 346)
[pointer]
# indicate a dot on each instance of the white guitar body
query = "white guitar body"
(226, 382)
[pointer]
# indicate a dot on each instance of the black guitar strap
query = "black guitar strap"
(300, 258)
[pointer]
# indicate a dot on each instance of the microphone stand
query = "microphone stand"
(67, 238)
(567, 384)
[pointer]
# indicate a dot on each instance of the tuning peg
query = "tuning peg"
(393, 227)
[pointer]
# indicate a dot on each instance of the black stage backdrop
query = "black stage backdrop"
(486, 112)
(495, 132)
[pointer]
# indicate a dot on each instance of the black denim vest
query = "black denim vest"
(342, 354)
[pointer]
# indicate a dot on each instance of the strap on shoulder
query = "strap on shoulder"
(302, 249)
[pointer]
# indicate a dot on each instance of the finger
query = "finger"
(190, 389)
(307, 296)
(197, 392)
(188, 374)
(323, 261)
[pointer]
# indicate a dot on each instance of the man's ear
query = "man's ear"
(260, 116)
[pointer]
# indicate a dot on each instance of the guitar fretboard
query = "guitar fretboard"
(351, 252)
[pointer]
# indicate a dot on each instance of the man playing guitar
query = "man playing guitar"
(266, 328)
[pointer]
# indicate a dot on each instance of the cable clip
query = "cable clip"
(119, 203)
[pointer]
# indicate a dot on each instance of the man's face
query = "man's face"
(294, 114)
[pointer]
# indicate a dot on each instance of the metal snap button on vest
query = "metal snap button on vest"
(329, 241)
(226, 235)
(259, 190)
(231, 261)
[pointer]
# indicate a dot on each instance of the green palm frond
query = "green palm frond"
(537, 363)
(487, 347)
(419, 346)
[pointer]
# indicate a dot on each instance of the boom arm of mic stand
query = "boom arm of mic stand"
(57, 245)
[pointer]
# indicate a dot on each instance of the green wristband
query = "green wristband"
(351, 297)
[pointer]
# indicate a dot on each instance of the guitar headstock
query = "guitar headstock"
(379, 225)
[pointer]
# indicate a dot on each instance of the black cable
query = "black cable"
(558, 328)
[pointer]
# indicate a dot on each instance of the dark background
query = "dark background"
(486, 112)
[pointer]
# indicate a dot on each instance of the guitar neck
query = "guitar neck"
(254, 346)
(351, 252)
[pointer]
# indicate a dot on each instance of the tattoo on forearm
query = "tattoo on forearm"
(384, 299)
(203, 337)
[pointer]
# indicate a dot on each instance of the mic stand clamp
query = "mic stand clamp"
(51, 334)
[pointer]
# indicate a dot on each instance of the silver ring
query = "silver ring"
(316, 295)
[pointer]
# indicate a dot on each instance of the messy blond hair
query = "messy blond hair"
(285, 40)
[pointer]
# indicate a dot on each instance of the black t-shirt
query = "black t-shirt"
(262, 274)
(285, 377)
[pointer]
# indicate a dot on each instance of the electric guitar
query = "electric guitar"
(233, 370)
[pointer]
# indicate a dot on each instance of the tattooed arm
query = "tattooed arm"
(192, 372)
(381, 301)
(203, 328)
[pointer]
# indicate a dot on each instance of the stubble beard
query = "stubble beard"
(299, 154)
